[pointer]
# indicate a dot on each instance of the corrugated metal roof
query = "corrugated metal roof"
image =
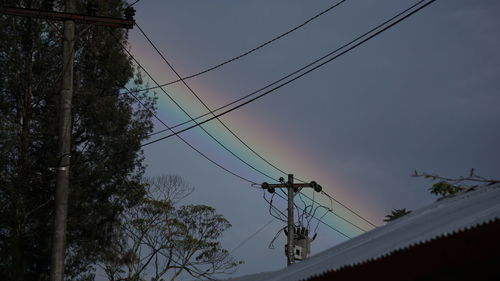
(441, 218)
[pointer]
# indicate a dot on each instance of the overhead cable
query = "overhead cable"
(296, 77)
(249, 51)
(205, 105)
(189, 144)
(251, 236)
(319, 220)
(187, 114)
(201, 153)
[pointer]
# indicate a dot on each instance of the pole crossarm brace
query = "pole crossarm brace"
(272, 187)
(292, 189)
(60, 16)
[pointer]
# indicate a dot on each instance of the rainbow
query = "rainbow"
(289, 155)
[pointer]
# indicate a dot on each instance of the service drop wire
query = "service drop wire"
(320, 221)
(312, 69)
(295, 72)
(191, 90)
(189, 116)
(249, 51)
(279, 215)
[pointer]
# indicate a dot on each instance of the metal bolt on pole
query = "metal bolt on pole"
(291, 187)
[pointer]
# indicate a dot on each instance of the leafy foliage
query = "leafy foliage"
(162, 240)
(396, 213)
(444, 188)
(108, 127)
(451, 186)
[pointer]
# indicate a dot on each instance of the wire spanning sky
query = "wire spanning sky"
(422, 96)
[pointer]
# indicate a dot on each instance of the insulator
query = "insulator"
(271, 190)
(318, 188)
(281, 179)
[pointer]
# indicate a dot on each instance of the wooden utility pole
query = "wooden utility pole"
(292, 188)
(64, 149)
(64, 135)
(291, 227)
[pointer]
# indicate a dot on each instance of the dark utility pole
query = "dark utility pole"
(64, 136)
(290, 227)
(292, 188)
(64, 150)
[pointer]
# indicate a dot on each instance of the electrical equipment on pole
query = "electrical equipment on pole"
(298, 241)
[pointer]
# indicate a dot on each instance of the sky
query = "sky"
(421, 96)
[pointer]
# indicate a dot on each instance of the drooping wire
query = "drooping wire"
(205, 105)
(307, 214)
(271, 244)
(279, 215)
(300, 75)
(251, 236)
(187, 114)
(133, 3)
(295, 206)
(341, 217)
(312, 69)
(336, 56)
(151, 111)
(189, 144)
(343, 205)
(249, 51)
(321, 221)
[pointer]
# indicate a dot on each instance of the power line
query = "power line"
(185, 112)
(245, 179)
(205, 105)
(249, 51)
(330, 210)
(298, 76)
(133, 3)
(366, 39)
(292, 73)
(187, 143)
(352, 47)
(332, 198)
(130, 92)
(331, 227)
(251, 236)
(192, 147)
(207, 131)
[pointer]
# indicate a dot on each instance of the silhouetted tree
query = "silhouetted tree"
(108, 127)
(161, 240)
(451, 186)
(395, 214)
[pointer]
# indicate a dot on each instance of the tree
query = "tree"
(395, 214)
(108, 127)
(451, 186)
(162, 240)
(444, 188)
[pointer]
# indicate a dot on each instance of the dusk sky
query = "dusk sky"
(423, 95)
